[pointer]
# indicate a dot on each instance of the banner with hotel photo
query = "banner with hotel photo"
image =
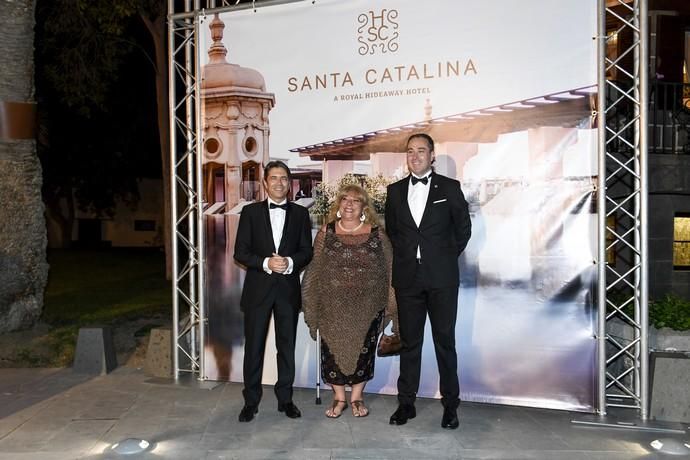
(506, 88)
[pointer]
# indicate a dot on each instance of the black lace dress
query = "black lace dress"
(346, 294)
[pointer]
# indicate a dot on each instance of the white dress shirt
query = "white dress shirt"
(277, 216)
(417, 195)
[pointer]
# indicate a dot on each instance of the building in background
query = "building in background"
(235, 108)
(668, 138)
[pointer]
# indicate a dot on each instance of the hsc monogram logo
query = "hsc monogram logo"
(377, 31)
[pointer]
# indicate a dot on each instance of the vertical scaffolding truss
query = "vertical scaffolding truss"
(622, 209)
(184, 74)
(186, 187)
(622, 198)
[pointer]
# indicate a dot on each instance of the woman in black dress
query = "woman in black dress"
(346, 295)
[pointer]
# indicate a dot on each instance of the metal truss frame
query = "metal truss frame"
(622, 186)
(186, 215)
(184, 74)
(622, 211)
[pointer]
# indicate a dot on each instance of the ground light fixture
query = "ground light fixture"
(671, 446)
(131, 446)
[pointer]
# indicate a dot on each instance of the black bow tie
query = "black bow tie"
(423, 180)
(281, 206)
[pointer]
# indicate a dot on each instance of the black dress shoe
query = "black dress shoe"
(404, 413)
(248, 412)
(290, 410)
(450, 418)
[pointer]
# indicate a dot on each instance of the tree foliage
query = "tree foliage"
(97, 103)
(80, 47)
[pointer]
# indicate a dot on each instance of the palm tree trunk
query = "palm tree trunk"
(23, 266)
(156, 28)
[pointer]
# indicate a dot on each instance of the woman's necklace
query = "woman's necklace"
(340, 225)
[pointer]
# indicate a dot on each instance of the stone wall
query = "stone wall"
(669, 193)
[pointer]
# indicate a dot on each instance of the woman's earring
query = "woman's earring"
(362, 218)
(338, 215)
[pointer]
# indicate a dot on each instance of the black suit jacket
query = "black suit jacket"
(442, 235)
(254, 243)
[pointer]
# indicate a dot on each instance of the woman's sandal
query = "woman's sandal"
(359, 409)
(334, 405)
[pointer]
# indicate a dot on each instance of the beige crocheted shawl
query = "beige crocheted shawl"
(346, 285)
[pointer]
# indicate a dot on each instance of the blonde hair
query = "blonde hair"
(370, 217)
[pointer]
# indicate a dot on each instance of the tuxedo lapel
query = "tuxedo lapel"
(267, 225)
(404, 204)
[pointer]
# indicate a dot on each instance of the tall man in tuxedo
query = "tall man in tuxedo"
(274, 244)
(428, 222)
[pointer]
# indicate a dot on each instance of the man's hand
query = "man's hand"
(277, 263)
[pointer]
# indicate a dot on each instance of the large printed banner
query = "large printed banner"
(505, 88)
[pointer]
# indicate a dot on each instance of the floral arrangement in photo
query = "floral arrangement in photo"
(324, 194)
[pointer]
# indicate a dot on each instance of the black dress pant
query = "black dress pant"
(256, 321)
(441, 304)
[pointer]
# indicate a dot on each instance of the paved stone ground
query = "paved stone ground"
(56, 414)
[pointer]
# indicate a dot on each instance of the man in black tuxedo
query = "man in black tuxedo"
(274, 244)
(428, 222)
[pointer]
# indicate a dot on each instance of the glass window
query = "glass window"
(681, 242)
(611, 53)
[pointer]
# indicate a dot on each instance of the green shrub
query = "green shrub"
(671, 311)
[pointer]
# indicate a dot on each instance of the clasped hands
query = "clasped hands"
(277, 263)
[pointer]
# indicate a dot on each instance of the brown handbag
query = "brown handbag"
(389, 345)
